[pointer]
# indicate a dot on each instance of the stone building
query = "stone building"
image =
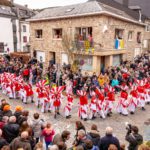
(98, 35)
(140, 6)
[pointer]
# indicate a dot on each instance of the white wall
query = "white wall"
(27, 34)
(6, 33)
(40, 56)
(18, 30)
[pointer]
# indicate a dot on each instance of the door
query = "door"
(137, 51)
(116, 60)
(64, 59)
(52, 57)
(102, 64)
(40, 56)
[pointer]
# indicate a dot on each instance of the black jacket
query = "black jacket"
(107, 140)
(7, 113)
(10, 131)
(3, 142)
(134, 140)
(17, 115)
(94, 137)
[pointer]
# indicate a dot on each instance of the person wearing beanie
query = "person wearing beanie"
(18, 112)
(7, 111)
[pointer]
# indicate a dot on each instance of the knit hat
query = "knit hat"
(6, 108)
(18, 108)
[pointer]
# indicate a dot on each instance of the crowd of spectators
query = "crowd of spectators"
(126, 72)
(20, 131)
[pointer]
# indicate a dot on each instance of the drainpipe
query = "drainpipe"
(140, 15)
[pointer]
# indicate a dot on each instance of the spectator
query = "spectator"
(112, 147)
(3, 103)
(79, 147)
(7, 111)
(81, 138)
(11, 130)
(25, 127)
(143, 147)
(79, 126)
(94, 136)
(61, 145)
(21, 142)
(3, 142)
(53, 147)
(39, 146)
(61, 138)
(109, 139)
(48, 134)
(37, 125)
(3, 121)
(133, 137)
(6, 147)
(18, 112)
(23, 117)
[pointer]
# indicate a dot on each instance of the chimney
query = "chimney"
(26, 6)
(126, 3)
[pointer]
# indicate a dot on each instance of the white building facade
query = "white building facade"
(6, 36)
(25, 36)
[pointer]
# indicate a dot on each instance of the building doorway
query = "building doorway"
(102, 69)
(52, 58)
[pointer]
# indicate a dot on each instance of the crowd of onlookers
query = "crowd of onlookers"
(126, 72)
(20, 131)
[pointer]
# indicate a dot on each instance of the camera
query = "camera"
(128, 126)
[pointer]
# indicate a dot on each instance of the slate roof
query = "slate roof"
(77, 9)
(121, 7)
(5, 10)
(87, 8)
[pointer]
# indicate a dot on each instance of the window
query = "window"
(84, 33)
(25, 39)
(1, 47)
(24, 28)
(148, 28)
(130, 35)
(139, 36)
(38, 33)
(57, 33)
(119, 33)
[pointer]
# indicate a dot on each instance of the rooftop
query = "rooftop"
(87, 8)
(6, 10)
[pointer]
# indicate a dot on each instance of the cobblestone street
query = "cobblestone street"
(117, 121)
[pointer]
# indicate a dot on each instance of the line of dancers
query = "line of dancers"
(101, 104)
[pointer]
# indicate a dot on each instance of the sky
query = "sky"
(35, 4)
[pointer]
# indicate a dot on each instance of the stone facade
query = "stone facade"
(104, 42)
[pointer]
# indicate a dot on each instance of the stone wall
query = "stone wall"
(106, 40)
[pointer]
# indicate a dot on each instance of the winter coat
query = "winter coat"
(107, 140)
(57, 138)
(48, 135)
(17, 115)
(134, 140)
(10, 131)
(37, 127)
(7, 113)
(94, 137)
(2, 124)
(20, 143)
(3, 142)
